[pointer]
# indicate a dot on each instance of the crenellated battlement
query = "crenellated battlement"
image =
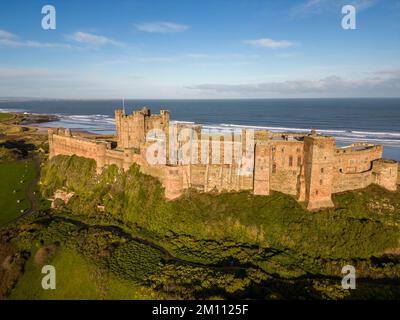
(308, 166)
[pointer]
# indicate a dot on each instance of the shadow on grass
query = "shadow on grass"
(19, 146)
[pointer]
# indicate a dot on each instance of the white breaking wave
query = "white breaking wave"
(106, 124)
(377, 137)
(12, 110)
(95, 123)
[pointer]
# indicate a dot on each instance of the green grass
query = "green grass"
(6, 116)
(274, 233)
(76, 278)
(201, 223)
(11, 175)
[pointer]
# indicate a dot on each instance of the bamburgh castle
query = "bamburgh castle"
(307, 166)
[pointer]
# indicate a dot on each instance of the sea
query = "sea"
(373, 120)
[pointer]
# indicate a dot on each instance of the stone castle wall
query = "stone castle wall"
(385, 173)
(308, 167)
(286, 162)
(398, 175)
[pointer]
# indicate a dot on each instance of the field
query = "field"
(6, 116)
(11, 175)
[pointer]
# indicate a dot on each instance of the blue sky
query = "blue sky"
(199, 49)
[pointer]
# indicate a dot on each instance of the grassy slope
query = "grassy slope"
(360, 226)
(11, 175)
(274, 233)
(76, 278)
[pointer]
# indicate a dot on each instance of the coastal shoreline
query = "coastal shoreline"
(38, 122)
(100, 123)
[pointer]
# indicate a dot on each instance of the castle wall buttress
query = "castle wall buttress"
(51, 132)
(118, 125)
(262, 169)
(385, 173)
(173, 182)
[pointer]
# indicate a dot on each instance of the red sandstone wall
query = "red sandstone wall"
(286, 161)
(262, 169)
(353, 168)
(349, 161)
(351, 181)
(398, 174)
(318, 171)
(70, 146)
(173, 182)
(385, 172)
(65, 145)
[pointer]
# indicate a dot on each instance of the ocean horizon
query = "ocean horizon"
(349, 120)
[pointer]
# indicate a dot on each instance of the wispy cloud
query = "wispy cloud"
(8, 39)
(380, 83)
(93, 39)
(66, 83)
(270, 43)
(161, 27)
(311, 7)
(6, 35)
(197, 57)
(30, 73)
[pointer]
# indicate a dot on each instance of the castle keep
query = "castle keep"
(308, 166)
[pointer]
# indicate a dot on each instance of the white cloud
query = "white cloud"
(93, 39)
(388, 73)
(381, 83)
(270, 43)
(161, 27)
(8, 39)
(31, 73)
(71, 83)
(6, 35)
(311, 7)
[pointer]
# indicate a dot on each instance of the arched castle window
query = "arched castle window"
(290, 161)
(322, 170)
(274, 168)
